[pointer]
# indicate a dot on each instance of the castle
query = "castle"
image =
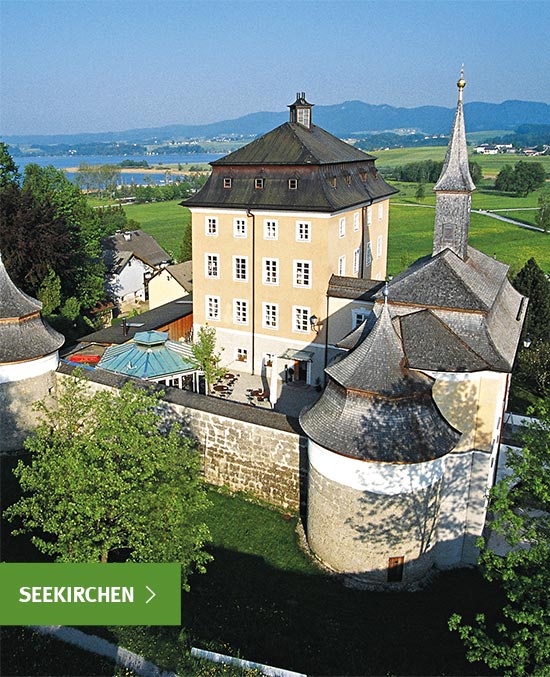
(402, 446)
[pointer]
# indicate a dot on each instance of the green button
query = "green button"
(90, 594)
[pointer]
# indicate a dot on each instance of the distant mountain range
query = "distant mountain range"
(351, 118)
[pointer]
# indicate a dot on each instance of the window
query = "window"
(293, 184)
(333, 181)
(303, 116)
(213, 308)
(268, 359)
(303, 231)
(395, 569)
(363, 175)
(302, 273)
(356, 221)
(239, 227)
(270, 315)
(241, 354)
(358, 317)
(240, 268)
(348, 179)
(368, 255)
(356, 259)
(240, 311)
(341, 265)
(271, 230)
(369, 216)
(211, 225)
(379, 242)
(212, 265)
(271, 271)
(227, 182)
(342, 227)
(380, 211)
(300, 319)
(258, 183)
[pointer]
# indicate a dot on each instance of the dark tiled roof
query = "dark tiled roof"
(376, 409)
(24, 335)
(151, 320)
(138, 243)
(446, 281)
(353, 288)
(293, 144)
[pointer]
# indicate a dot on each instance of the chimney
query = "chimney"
(124, 327)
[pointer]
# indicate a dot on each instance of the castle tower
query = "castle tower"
(454, 190)
(377, 445)
(28, 360)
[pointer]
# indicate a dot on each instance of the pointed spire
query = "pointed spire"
(454, 188)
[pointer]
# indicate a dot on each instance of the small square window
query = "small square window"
(242, 355)
(293, 184)
(258, 183)
(227, 182)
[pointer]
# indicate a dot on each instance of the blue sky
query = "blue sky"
(101, 65)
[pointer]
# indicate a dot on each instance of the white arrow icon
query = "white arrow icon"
(152, 594)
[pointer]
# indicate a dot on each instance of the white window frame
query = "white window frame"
(293, 184)
(271, 229)
(211, 226)
(303, 231)
(300, 319)
(270, 315)
(379, 246)
(211, 262)
(368, 254)
(227, 182)
(358, 316)
(270, 269)
(342, 227)
(213, 303)
(302, 270)
(240, 311)
(380, 211)
(239, 261)
(356, 221)
(369, 216)
(241, 354)
(240, 228)
(342, 265)
(356, 260)
(259, 183)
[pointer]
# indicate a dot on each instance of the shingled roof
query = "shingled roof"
(377, 409)
(24, 335)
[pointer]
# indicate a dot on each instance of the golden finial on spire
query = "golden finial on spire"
(461, 83)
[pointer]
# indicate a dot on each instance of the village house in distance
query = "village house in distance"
(276, 219)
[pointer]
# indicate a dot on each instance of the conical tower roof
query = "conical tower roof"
(23, 333)
(376, 409)
(455, 175)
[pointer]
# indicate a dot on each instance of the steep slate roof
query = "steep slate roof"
(149, 355)
(376, 409)
(342, 287)
(121, 246)
(313, 156)
(24, 335)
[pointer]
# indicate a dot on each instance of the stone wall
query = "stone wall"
(244, 448)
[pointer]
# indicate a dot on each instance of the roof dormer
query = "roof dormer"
(300, 110)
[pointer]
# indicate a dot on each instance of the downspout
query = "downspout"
(502, 422)
(253, 280)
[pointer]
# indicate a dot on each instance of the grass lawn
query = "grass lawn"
(262, 599)
(162, 220)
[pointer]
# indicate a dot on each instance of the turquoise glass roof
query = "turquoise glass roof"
(150, 355)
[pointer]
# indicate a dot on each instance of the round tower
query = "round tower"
(28, 359)
(377, 445)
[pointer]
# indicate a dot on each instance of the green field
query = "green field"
(162, 220)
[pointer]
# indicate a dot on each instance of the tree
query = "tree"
(524, 178)
(543, 217)
(532, 282)
(105, 483)
(186, 250)
(50, 293)
(204, 352)
(519, 643)
(505, 179)
(533, 367)
(420, 194)
(9, 173)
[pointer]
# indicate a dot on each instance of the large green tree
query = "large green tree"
(518, 644)
(532, 282)
(523, 179)
(106, 483)
(543, 217)
(206, 356)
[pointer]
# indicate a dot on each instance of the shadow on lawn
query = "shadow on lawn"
(312, 624)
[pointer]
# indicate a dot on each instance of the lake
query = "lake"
(137, 176)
